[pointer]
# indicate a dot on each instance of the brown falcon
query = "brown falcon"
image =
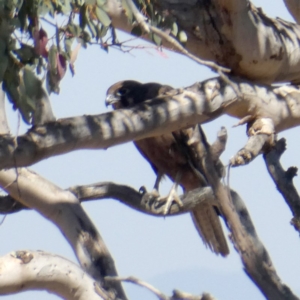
(166, 156)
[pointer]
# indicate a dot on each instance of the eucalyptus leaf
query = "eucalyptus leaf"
(68, 46)
(157, 40)
(74, 29)
(31, 82)
(101, 3)
(174, 30)
(3, 59)
(101, 30)
(52, 58)
(25, 54)
(102, 16)
(182, 36)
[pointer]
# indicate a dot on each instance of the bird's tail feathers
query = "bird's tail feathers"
(210, 229)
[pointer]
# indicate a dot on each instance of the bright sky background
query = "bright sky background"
(166, 252)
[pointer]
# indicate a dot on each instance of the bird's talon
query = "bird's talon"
(142, 190)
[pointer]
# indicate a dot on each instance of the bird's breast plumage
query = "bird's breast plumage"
(166, 157)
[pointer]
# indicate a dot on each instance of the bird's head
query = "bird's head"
(125, 94)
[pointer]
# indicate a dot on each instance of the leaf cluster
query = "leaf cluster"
(34, 48)
(162, 20)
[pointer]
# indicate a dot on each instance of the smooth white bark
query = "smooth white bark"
(37, 270)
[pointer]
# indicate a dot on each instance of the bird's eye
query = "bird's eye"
(122, 92)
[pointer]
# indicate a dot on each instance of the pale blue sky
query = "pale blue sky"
(167, 253)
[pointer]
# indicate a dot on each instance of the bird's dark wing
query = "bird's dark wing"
(169, 154)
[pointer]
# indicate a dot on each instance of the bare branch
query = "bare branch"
(177, 295)
(63, 208)
(252, 149)
(178, 47)
(37, 270)
(218, 146)
(253, 254)
(284, 180)
(143, 202)
(139, 282)
(139, 200)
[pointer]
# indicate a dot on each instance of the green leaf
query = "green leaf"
(15, 22)
(101, 3)
(22, 16)
(83, 17)
(182, 36)
(74, 29)
(174, 30)
(102, 16)
(44, 8)
(25, 54)
(101, 31)
(65, 6)
(3, 59)
(15, 89)
(156, 39)
(31, 82)
(52, 58)
(68, 46)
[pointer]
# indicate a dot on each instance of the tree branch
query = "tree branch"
(199, 103)
(233, 34)
(254, 256)
(252, 149)
(37, 270)
(284, 180)
(177, 295)
(140, 200)
(139, 282)
(63, 208)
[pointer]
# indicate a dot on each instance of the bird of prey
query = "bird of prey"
(167, 156)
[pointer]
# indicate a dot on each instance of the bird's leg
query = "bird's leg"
(159, 176)
(173, 196)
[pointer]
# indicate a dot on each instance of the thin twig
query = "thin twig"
(140, 19)
(181, 49)
(139, 282)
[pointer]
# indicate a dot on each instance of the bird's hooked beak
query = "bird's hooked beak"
(111, 99)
